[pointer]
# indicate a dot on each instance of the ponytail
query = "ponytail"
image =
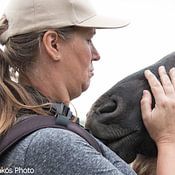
(6, 110)
(13, 96)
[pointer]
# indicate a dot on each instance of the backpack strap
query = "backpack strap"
(36, 122)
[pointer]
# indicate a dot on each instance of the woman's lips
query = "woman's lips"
(91, 72)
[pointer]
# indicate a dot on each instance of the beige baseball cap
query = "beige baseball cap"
(25, 16)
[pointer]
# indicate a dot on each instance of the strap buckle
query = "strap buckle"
(62, 113)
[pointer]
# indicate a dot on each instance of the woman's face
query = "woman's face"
(78, 55)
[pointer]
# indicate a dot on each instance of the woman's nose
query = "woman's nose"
(95, 54)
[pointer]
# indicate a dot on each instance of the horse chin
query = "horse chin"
(122, 140)
(125, 147)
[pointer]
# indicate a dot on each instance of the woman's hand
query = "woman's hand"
(160, 121)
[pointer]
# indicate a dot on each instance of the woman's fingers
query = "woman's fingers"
(155, 86)
(172, 76)
(167, 88)
(160, 121)
(146, 103)
(166, 82)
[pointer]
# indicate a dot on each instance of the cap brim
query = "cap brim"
(101, 22)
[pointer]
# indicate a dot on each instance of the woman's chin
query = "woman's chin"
(86, 85)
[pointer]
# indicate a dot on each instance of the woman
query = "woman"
(49, 46)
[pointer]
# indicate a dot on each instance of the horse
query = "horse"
(115, 117)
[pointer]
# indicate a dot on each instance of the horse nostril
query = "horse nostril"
(108, 107)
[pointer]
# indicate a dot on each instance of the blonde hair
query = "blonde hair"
(144, 165)
(19, 55)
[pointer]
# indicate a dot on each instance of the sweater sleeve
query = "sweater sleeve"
(62, 152)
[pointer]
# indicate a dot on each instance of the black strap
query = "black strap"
(35, 122)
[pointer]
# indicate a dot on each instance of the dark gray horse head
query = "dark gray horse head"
(115, 118)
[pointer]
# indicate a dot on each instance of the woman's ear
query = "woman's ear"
(51, 42)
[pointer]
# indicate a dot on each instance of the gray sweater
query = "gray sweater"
(53, 151)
